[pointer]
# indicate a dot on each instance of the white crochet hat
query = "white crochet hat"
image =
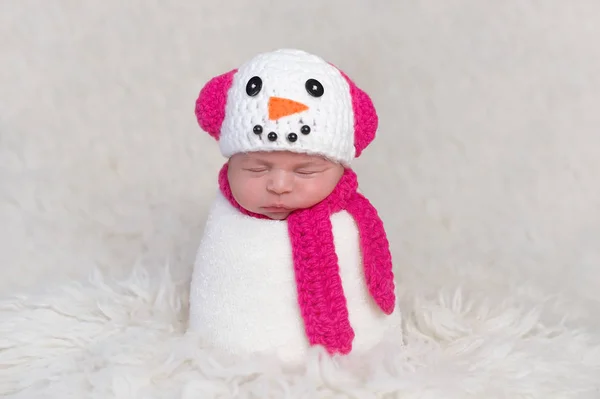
(287, 100)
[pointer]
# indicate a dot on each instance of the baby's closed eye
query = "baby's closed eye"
(259, 169)
(308, 172)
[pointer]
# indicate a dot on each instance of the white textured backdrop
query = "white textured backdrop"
(488, 153)
(486, 169)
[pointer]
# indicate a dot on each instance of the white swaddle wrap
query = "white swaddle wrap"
(243, 295)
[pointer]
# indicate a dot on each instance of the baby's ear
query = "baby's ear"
(210, 105)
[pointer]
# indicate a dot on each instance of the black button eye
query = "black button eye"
(314, 88)
(253, 86)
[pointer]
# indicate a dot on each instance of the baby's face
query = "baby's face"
(277, 183)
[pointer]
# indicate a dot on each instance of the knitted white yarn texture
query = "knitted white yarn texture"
(284, 74)
(243, 294)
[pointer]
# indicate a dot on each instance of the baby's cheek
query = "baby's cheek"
(324, 186)
(250, 194)
(312, 192)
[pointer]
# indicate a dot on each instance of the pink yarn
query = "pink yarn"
(319, 287)
(365, 116)
(210, 105)
(377, 259)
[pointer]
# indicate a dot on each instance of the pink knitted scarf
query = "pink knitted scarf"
(319, 286)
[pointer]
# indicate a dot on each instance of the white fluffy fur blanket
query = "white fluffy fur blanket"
(126, 339)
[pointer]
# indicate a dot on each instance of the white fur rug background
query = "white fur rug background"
(485, 172)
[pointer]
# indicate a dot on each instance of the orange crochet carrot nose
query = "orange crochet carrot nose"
(280, 107)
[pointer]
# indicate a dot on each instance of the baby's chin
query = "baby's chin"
(277, 215)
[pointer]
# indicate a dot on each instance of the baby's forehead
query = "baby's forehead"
(283, 157)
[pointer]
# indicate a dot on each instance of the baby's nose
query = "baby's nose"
(280, 182)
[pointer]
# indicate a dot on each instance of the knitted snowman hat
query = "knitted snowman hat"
(287, 100)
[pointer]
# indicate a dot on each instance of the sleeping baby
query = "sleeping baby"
(292, 254)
